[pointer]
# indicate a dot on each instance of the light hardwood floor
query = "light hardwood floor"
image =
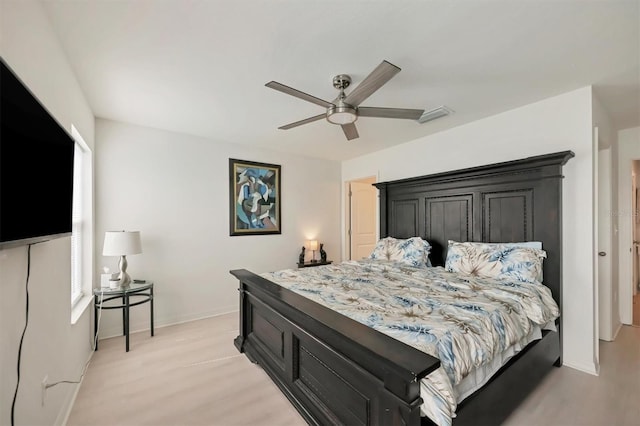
(187, 374)
(191, 374)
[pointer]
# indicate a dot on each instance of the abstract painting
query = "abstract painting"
(254, 198)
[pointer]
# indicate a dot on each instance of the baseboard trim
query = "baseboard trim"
(615, 333)
(589, 369)
(63, 415)
(116, 329)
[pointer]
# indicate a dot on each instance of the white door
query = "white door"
(363, 201)
(607, 296)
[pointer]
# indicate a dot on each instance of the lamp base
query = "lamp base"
(124, 280)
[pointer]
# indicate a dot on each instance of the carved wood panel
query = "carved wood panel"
(341, 401)
(406, 216)
(266, 330)
(447, 218)
(508, 216)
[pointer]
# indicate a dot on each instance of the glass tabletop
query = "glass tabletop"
(134, 287)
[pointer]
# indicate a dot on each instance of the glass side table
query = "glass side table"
(141, 292)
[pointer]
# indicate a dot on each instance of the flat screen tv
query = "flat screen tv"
(36, 167)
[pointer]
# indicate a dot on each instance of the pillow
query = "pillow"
(531, 244)
(413, 251)
(500, 261)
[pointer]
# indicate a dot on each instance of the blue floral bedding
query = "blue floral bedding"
(463, 320)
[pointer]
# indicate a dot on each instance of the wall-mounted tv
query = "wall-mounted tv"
(36, 167)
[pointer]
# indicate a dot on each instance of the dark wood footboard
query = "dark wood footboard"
(333, 369)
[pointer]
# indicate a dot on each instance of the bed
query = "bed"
(336, 370)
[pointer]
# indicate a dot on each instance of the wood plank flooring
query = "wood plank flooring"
(187, 374)
(570, 397)
(191, 374)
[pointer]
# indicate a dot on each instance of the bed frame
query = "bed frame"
(335, 370)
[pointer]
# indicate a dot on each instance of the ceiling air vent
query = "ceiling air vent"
(441, 111)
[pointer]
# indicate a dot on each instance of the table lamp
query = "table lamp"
(313, 246)
(122, 243)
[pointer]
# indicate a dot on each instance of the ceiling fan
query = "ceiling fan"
(345, 109)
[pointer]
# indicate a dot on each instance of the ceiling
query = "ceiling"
(200, 67)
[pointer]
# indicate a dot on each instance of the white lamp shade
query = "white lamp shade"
(119, 243)
(313, 244)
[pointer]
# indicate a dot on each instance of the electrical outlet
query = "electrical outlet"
(44, 387)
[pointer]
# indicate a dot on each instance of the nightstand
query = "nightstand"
(141, 290)
(317, 263)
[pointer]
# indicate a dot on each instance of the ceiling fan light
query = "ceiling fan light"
(341, 115)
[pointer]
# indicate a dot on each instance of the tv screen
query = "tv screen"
(36, 167)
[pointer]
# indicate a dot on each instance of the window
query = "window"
(82, 224)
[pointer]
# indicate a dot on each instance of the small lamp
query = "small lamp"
(313, 246)
(122, 243)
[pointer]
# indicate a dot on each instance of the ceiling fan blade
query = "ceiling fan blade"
(371, 83)
(301, 122)
(298, 94)
(410, 114)
(350, 131)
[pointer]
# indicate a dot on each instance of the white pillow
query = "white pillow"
(412, 251)
(530, 244)
(501, 261)
(525, 244)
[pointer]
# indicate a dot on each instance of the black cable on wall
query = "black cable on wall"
(24, 330)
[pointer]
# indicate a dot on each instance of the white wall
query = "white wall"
(602, 121)
(628, 150)
(52, 346)
(174, 188)
(560, 123)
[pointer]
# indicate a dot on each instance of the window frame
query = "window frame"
(82, 258)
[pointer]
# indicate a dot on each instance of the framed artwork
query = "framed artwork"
(254, 198)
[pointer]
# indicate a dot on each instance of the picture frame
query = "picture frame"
(254, 198)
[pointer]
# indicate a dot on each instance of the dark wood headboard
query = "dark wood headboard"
(513, 201)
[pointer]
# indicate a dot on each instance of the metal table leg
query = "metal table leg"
(126, 321)
(95, 321)
(151, 308)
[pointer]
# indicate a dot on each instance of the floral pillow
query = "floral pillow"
(501, 261)
(412, 251)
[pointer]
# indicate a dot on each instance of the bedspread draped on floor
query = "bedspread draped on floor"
(463, 320)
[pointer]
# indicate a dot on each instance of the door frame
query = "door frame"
(603, 233)
(628, 151)
(635, 228)
(595, 142)
(625, 228)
